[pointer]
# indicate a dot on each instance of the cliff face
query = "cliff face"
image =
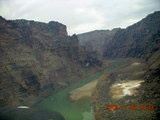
(96, 41)
(136, 40)
(141, 40)
(37, 59)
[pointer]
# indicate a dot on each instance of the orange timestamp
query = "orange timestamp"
(130, 107)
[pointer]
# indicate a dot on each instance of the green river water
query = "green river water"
(71, 110)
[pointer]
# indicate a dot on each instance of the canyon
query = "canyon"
(41, 63)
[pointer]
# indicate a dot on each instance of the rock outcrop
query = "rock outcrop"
(38, 58)
(142, 41)
(137, 40)
(96, 41)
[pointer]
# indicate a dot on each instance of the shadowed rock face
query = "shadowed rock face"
(141, 40)
(137, 40)
(96, 41)
(60, 29)
(38, 58)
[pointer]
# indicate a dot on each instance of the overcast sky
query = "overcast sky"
(80, 15)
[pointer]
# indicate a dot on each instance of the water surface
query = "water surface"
(74, 110)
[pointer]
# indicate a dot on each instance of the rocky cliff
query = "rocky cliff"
(137, 40)
(113, 100)
(96, 41)
(38, 58)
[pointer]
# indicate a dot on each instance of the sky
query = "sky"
(80, 15)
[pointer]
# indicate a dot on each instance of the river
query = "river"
(74, 110)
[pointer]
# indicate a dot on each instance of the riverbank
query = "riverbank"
(79, 109)
(84, 91)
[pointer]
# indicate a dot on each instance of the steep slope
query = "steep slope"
(96, 41)
(136, 40)
(37, 59)
(117, 96)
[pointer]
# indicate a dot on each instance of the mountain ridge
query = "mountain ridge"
(95, 41)
(140, 43)
(135, 39)
(37, 59)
